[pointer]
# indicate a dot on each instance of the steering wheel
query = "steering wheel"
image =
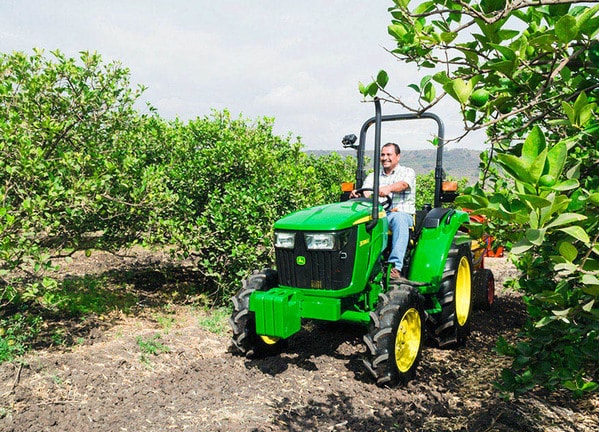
(388, 199)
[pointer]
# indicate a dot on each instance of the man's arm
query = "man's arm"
(399, 186)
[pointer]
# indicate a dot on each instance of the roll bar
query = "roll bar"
(377, 120)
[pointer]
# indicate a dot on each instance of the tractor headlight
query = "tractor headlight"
(284, 240)
(321, 241)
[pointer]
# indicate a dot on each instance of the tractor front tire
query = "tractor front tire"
(245, 339)
(395, 337)
(483, 282)
(451, 326)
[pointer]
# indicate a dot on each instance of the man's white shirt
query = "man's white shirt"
(404, 201)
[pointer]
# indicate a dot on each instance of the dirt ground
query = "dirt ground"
(107, 382)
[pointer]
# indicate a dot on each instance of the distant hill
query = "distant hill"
(457, 163)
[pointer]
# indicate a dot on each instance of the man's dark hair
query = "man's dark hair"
(397, 149)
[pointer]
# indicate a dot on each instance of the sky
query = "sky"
(298, 62)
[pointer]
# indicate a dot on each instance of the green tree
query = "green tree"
(233, 179)
(82, 169)
(527, 73)
(75, 172)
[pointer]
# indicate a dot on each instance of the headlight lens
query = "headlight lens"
(284, 240)
(320, 241)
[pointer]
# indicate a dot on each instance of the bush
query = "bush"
(233, 180)
(82, 169)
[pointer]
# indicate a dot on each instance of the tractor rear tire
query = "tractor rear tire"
(483, 283)
(395, 337)
(451, 326)
(243, 323)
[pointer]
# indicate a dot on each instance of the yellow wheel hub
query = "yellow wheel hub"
(407, 340)
(463, 292)
(268, 340)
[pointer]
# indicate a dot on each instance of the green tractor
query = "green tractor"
(331, 266)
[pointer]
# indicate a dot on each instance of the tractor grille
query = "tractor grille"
(317, 269)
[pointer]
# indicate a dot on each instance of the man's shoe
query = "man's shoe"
(395, 275)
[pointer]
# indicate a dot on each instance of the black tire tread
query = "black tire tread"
(446, 331)
(245, 340)
(380, 338)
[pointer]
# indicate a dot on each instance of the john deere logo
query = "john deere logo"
(300, 260)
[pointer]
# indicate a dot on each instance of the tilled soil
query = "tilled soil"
(107, 383)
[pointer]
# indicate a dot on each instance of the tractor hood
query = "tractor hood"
(328, 217)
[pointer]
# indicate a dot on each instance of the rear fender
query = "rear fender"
(432, 247)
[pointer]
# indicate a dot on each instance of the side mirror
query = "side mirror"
(349, 141)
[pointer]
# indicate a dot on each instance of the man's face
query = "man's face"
(389, 159)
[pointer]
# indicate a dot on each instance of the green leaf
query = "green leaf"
(565, 219)
(515, 166)
(577, 233)
(566, 28)
(398, 31)
(566, 185)
(442, 78)
(533, 145)
(569, 110)
(489, 6)
(589, 279)
(522, 246)
(414, 87)
(429, 92)
(568, 251)
(382, 79)
(506, 67)
(535, 236)
(587, 24)
(556, 158)
(544, 41)
(538, 165)
(535, 201)
(424, 7)
(591, 290)
(462, 90)
(544, 321)
(589, 386)
(506, 52)
(583, 110)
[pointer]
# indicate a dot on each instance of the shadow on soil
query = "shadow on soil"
(85, 306)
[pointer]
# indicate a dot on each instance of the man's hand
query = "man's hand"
(362, 193)
(385, 191)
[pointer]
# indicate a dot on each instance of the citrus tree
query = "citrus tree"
(233, 178)
(527, 73)
(82, 169)
(75, 171)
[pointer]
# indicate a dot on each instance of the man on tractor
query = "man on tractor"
(399, 183)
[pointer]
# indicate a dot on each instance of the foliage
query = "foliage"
(82, 169)
(232, 180)
(528, 74)
(151, 346)
(215, 320)
(74, 172)
(425, 187)
(16, 332)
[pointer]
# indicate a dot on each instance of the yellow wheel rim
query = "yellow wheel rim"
(268, 340)
(407, 340)
(463, 292)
